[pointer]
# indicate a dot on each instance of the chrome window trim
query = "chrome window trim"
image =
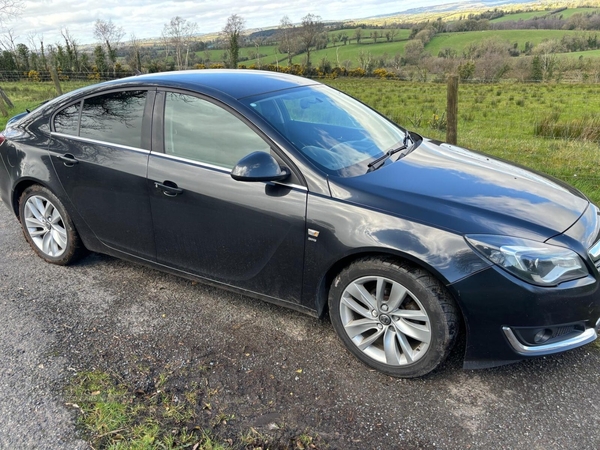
(219, 168)
(586, 337)
(94, 141)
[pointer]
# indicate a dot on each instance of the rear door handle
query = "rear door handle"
(68, 159)
(170, 189)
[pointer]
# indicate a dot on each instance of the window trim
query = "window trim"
(95, 141)
(220, 169)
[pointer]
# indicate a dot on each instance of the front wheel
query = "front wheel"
(47, 226)
(393, 317)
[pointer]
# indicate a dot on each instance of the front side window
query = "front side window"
(202, 131)
(114, 118)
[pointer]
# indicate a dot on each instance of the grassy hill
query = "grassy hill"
(460, 41)
(533, 14)
(339, 54)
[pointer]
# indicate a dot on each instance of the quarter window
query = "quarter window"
(202, 131)
(67, 120)
(115, 118)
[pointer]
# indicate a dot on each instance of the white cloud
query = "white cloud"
(147, 18)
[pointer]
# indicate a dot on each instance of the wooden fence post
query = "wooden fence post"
(3, 110)
(54, 76)
(6, 99)
(452, 110)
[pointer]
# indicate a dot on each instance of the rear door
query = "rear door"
(247, 235)
(99, 149)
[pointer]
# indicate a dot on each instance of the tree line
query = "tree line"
(179, 47)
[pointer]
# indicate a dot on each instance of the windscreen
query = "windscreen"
(337, 133)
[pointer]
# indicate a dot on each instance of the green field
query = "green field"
(498, 119)
(520, 16)
(460, 41)
(572, 11)
(585, 54)
(349, 51)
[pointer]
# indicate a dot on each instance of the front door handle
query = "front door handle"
(68, 159)
(168, 188)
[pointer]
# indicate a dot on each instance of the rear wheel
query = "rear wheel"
(393, 317)
(47, 226)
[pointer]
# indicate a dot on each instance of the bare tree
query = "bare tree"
(233, 30)
(9, 9)
(110, 36)
(135, 59)
(72, 50)
(309, 31)
(358, 35)
(287, 38)
(179, 34)
(9, 41)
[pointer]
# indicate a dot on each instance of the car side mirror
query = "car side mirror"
(259, 166)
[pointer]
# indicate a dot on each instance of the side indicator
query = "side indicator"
(313, 235)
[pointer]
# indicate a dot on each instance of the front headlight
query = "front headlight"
(531, 261)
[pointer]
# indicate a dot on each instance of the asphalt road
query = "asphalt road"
(109, 314)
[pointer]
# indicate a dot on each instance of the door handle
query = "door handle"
(68, 159)
(170, 189)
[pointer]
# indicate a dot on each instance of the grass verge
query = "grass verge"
(169, 412)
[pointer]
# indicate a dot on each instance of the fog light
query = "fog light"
(542, 336)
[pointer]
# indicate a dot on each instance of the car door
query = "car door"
(99, 149)
(247, 235)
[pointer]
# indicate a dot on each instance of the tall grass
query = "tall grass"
(584, 128)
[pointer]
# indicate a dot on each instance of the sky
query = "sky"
(146, 19)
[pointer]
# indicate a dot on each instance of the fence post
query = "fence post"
(54, 76)
(452, 110)
(6, 99)
(3, 110)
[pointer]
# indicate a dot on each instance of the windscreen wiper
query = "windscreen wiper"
(374, 165)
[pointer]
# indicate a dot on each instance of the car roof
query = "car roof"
(234, 83)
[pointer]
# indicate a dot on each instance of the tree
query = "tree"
(71, 47)
(309, 31)
(9, 9)
(288, 39)
(135, 58)
(537, 73)
(100, 59)
(413, 51)
(358, 35)
(233, 30)
(109, 35)
(179, 33)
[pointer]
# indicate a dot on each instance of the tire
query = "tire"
(48, 228)
(395, 318)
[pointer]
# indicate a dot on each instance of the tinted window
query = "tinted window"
(67, 120)
(199, 130)
(114, 118)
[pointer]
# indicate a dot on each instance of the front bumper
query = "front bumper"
(497, 306)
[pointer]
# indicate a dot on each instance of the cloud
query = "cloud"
(147, 18)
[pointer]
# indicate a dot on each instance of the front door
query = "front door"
(247, 235)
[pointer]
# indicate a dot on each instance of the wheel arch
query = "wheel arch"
(321, 303)
(18, 190)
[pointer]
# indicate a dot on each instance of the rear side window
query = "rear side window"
(115, 118)
(67, 120)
